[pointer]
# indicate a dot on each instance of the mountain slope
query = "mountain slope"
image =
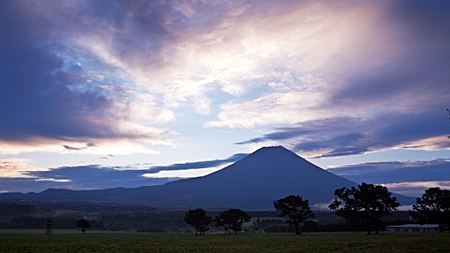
(260, 178)
(252, 183)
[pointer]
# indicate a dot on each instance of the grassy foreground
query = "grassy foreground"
(73, 241)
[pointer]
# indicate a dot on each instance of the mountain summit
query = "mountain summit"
(252, 183)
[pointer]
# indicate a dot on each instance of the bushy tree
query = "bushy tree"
(83, 224)
(198, 219)
(232, 220)
(367, 203)
(296, 209)
(433, 207)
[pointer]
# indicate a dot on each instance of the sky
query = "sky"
(118, 93)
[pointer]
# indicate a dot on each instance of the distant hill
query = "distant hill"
(252, 183)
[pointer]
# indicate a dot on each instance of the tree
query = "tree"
(232, 220)
(83, 224)
(433, 207)
(296, 209)
(367, 203)
(49, 227)
(198, 219)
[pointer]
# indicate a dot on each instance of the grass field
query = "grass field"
(72, 241)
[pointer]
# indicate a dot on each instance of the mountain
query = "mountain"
(252, 183)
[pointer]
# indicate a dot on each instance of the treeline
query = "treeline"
(27, 222)
(173, 221)
(277, 226)
(155, 221)
(366, 207)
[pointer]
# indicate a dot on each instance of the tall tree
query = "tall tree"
(433, 207)
(232, 220)
(198, 219)
(296, 209)
(83, 224)
(367, 203)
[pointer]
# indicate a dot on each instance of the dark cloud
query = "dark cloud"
(96, 177)
(88, 145)
(89, 178)
(396, 172)
(100, 177)
(53, 89)
(47, 93)
(197, 165)
(418, 50)
(34, 101)
(318, 127)
(332, 133)
(349, 136)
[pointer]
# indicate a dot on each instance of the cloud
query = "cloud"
(300, 57)
(383, 86)
(57, 91)
(15, 167)
(196, 165)
(266, 110)
(415, 188)
(395, 172)
(16, 175)
(88, 145)
(409, 178)
(91, 177)
(341, 136)
(369, 75)
(112, 146)
(94, 177)
(78, 178)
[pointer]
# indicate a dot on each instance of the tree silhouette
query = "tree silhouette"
(232, 220)
(198, 219)
(49, 227)
(296, 209)
(433, 207)
(83, 224)
(367, 203)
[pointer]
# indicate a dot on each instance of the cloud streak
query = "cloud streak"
(88, 145)
(396, 172)
(333, 136)
(197, 165)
